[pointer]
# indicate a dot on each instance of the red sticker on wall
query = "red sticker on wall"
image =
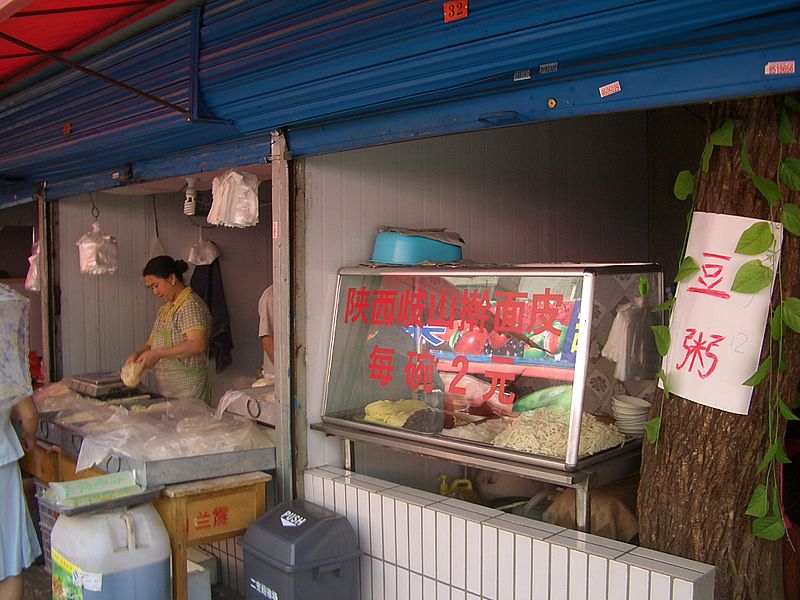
(783, 67)
(274, 230)
(455, 10)
(611, 88)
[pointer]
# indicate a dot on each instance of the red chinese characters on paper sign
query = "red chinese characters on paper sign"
(711, 274)
(699, 349)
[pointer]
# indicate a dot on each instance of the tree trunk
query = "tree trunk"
(696, 485)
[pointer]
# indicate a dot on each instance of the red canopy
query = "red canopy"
(61, 27)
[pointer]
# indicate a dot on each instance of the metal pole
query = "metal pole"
(281, 283)
(93, 73)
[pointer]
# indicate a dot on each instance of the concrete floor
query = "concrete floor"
(37, 584)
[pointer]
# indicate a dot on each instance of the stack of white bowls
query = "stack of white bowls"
(630, 414)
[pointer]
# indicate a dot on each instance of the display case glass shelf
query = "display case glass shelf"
(516, 362)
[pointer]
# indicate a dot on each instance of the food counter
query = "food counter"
(162, 442)
(504, 368)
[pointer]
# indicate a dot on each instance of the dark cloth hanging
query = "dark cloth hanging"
(207, 283)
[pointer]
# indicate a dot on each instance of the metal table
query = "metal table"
(624, 463)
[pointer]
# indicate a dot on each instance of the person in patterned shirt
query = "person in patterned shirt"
(177, 349)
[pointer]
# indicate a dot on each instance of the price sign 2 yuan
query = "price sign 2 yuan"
(455, 10)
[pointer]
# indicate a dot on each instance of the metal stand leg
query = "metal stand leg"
(349, 454)
(583, 503)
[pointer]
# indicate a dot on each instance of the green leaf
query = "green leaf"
(652, 429)
(663, 377)
(752, 277)
(768, 188)
(746, 166)
(776, 324)
(757, 507)
(780, 453)
(724, 135)
(776, 502)
(770, 454)
(756, 239)
(761, 372)
(688, 268)
(791, 103)
(667, 305)
(786, 412)
(785, 133)
(790, 217)
(663, 340)
(769, 528)
(706, 157)
(789, 173)
(644, 287)
(791, 314)
(684, 185)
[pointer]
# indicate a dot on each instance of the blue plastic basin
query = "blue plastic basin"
(392, 248)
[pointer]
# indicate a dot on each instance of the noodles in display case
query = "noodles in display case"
(519, 362)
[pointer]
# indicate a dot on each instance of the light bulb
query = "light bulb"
(190, 203)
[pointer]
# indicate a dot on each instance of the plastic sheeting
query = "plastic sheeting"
(172, 429)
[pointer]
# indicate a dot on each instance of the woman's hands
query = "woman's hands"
(25, 412)
(149, 358)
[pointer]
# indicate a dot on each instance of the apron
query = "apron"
(174, 379)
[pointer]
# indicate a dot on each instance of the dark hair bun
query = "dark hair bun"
(181, 267)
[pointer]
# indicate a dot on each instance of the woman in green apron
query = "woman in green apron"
(177, 349)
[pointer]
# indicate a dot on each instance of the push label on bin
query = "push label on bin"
(292, 519)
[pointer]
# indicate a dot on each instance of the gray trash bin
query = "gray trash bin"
(300, 551)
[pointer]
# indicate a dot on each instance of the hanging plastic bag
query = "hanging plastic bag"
(234, 200)
(33, 280)
(97, 252)
(203, 252)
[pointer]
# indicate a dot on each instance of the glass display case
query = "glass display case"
(518, 363)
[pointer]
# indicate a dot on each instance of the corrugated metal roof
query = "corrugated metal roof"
(62, 27)
(343, 74)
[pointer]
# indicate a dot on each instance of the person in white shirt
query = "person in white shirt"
(266, 333)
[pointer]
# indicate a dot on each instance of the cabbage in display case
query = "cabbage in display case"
(515, 362)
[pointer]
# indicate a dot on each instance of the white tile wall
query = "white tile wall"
(419, 545)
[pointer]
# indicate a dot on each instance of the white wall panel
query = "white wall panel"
(562, 191)
(105, 318)
(500, 554)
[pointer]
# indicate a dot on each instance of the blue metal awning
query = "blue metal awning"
(337, 75)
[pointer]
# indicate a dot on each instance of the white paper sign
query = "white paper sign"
(716, 333)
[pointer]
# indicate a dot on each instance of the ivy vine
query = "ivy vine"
(752, 277)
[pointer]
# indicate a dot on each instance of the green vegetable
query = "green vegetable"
(560, 395)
